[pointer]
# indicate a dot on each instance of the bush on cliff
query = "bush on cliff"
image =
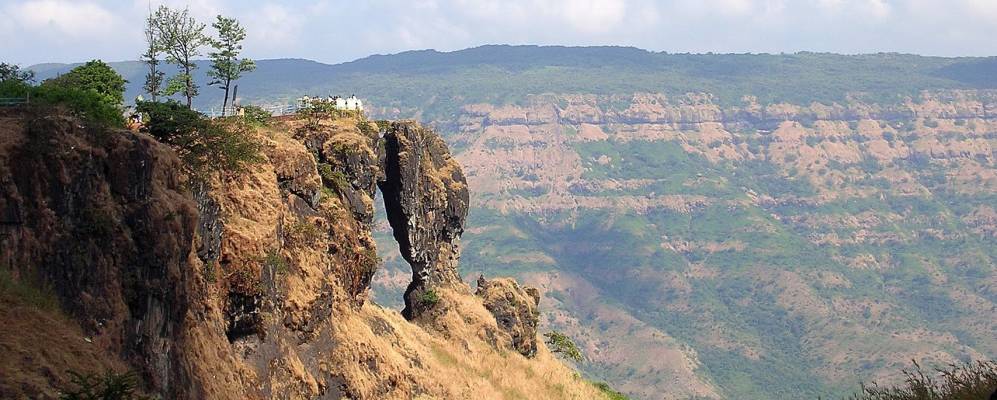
(429, 298)
(95, 76)
(204, 146)
(256, 115)
(111, 386)
(92, 92)
(560, 343)
(88, 105)
(609, 392)
(972, 381)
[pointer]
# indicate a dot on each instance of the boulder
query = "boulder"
(516, 310)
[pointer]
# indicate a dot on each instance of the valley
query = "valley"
(754, 252)
(748, 226)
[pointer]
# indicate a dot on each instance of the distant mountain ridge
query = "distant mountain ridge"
(438, 83)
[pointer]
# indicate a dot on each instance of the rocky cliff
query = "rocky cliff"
(251, 285)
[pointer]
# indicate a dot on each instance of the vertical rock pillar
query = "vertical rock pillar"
(426, 200)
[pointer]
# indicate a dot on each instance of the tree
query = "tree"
(95, 76)
(154, 78)
(181, 38)
(12, 72)
(226, 66)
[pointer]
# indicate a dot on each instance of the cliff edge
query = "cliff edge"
(252, 285)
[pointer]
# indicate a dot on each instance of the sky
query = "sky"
(333, 31)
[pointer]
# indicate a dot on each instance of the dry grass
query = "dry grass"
(454, 359)
(972, 381)
(39, 346)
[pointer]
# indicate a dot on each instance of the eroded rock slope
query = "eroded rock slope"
(253, 285)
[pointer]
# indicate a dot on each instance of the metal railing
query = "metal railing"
(273, 109)
(13, 101)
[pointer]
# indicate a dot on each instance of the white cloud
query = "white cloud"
(592, 16)
(983, 8)
(878, 8)
(74, 18)
(274, 27)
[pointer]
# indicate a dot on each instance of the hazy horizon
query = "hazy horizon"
(205, 59)
(331, 32)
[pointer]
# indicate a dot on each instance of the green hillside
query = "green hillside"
(438, 83)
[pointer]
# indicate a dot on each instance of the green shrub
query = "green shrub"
(14, 89)
(42, 298)
(303, 234)
(256, 115)
(610, 393)
(366, 129)
(970, 381)
(274, 261)
(203, 145)
(110, 386)
(332, 178)
(383, 125)
(170, 122)
(429, 298)
(95, 76)
(88, 105)
(560, 343)
(318, 109)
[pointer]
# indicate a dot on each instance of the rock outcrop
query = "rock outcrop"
(252, 285)
(426, 199)
(516, 310)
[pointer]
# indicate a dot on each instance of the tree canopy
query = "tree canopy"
(95, 76)
(12, 72)
(181, 38)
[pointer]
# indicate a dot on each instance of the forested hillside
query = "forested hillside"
(437, 84)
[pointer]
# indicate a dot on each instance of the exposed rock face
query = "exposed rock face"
(349, 162)
(516, 310)
(105, 221)
(251, 287)
(426, 199)
(698, 108)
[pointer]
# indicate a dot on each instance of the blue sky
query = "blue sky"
(336, 30)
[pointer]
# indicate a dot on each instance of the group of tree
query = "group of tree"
(178, 36)
(94, 91)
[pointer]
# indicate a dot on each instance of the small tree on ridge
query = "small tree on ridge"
(226, 67)
(181, 38)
